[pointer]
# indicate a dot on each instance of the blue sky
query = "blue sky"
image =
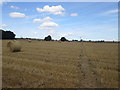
(88, 20)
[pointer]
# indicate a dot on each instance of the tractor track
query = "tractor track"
(88, 78)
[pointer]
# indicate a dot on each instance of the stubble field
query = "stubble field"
(53, 64)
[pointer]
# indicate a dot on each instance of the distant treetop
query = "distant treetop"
(63, 39)
(48, 38)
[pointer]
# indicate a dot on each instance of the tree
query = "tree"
(81, 40)
(7, 34)
(0, 34)
(89, 40)
(48, 38)
(63, 39)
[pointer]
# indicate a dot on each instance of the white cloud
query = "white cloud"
(5, 1)
(3, 26)
(35, 32)
(17, 15)
(25, 9)
(73, 14)
(110, 12)
(56, 10)
(14, 7)
(48, 25)
(67, 34)
(0, 2)
(42, 20)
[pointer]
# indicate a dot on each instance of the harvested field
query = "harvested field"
(42, 64)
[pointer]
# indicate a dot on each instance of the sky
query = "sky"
(73, 20)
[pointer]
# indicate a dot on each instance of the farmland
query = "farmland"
(52, 64)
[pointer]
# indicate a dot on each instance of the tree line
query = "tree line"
(49, 38)
(11, 35)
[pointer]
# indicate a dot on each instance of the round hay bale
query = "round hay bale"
(29, 41)
(60, 41)
(14, 46)
(8, 44)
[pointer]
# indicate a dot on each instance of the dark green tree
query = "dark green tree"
(48, 38)
(6, 34)
(63, 39)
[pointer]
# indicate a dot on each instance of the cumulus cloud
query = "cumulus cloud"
(48, 25)
(17, 15)
(56, 10)
(14, 7)
(73, 14)
(42, 20)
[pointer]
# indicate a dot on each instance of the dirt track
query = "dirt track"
(89, 78)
